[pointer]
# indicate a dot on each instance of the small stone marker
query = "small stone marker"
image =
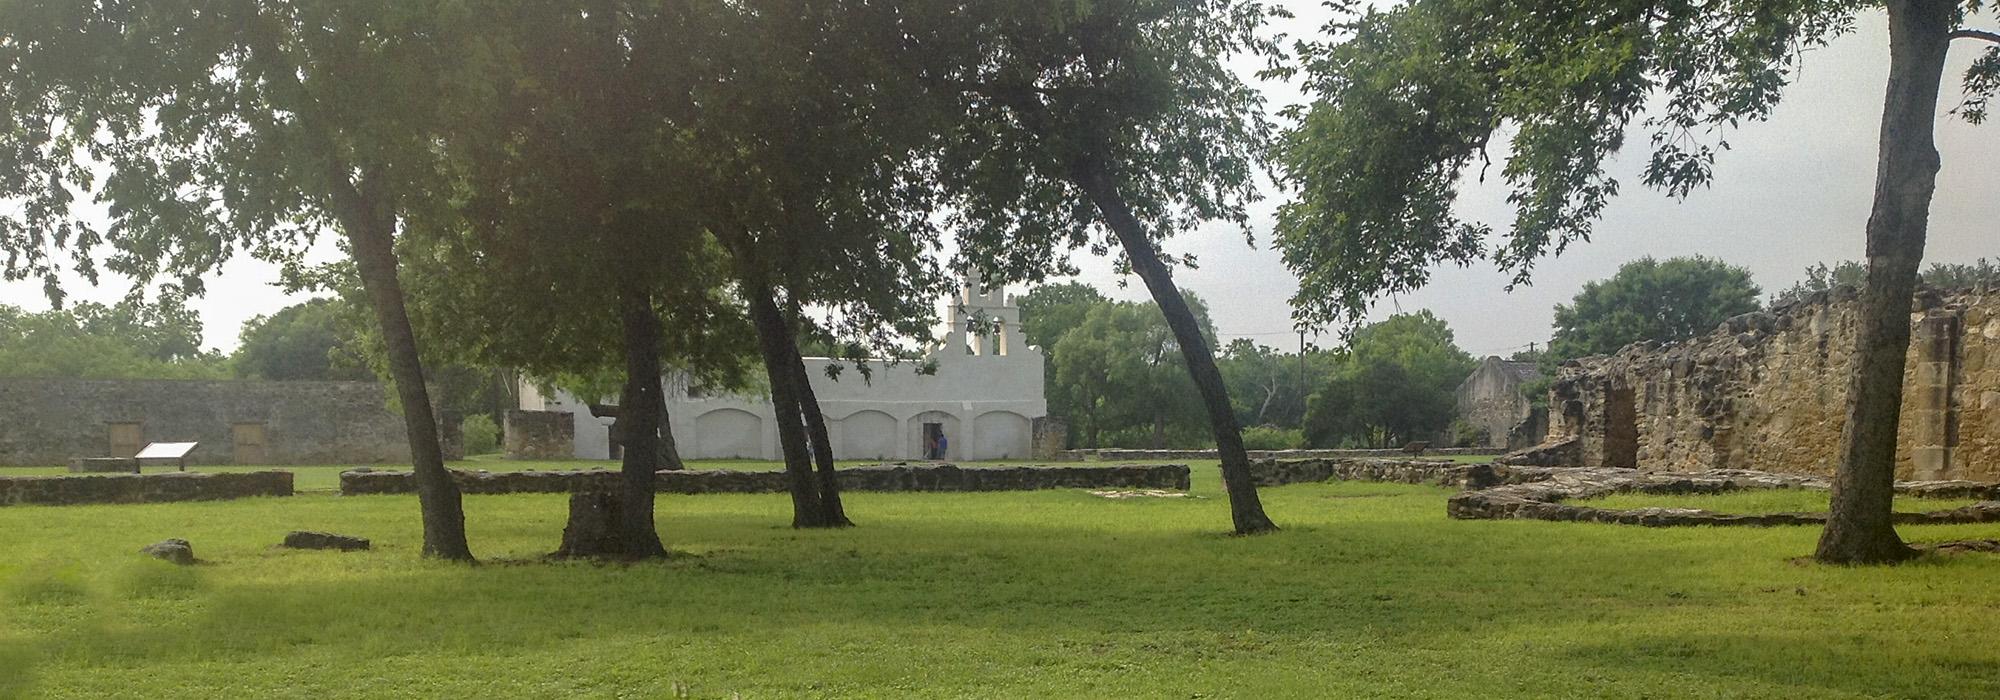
(306, 539)
(177, 551)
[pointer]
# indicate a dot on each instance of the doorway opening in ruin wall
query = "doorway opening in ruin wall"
(1621, 428)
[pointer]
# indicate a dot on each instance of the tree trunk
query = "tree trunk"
(1159, 431)
(833, 513)
(367, 218)
(670, 451)
(1858, 527)
(639, 420)
(369, 226)
(1245, 510)
(774, 341)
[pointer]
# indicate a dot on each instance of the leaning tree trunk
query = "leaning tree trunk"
(1245, 510)
(369, 226)
(832, 511)
(639, 420)
(1858, 528)
(774, 341)
(670, 451)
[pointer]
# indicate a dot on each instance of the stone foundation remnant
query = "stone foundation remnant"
(1112, 455)
(888, 477)
(142, 488)
(1768, 390)
(1500, 492)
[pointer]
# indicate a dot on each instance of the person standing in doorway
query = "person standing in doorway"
(942, 444)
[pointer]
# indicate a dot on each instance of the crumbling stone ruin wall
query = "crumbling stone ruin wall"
(1049, 436)
(1768, 391)
(47, 422)
(142, 488)
(538, 435)
(887, 477)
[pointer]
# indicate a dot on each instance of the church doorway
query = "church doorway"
(935, 442)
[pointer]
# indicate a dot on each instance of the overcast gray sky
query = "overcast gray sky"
(1794, 191)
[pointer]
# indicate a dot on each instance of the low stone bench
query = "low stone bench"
(142, 488)
(887, 478)
(103, 465)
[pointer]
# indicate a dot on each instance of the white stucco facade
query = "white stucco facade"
(984, 397)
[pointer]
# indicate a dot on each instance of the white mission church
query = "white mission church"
(983, 399)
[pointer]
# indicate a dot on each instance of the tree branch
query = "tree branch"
(1976, 34)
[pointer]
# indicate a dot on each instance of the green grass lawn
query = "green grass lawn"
(327, 477)
(1760, 501)
(1369, 592)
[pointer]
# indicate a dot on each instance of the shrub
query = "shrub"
(1266, 437)
(480, 434)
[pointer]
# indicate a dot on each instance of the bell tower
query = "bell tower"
(983, 322)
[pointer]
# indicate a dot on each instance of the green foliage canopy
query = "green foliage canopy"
(311, 340)
(1395, 383)
(132, 339)
(1651, 300)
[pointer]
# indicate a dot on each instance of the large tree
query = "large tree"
(1108, 126)
(131, 339)
(821, 195)
(209, 127)
(1651, 300)
(1395, 382)
(304, 341)
(1122, 378)
(1405, 99)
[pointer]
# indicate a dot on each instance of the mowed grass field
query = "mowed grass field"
(1370, 591)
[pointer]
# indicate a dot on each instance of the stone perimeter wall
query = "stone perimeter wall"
(878, 478)
(1768, 391)
(51, 421)
(142, 488)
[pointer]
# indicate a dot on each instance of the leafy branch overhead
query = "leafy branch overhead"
(1410, 103)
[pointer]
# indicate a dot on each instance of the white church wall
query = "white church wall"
(1001, 435)
(727, 433)
(867, 434)
(985, 392)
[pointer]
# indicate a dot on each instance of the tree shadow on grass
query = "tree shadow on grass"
(1798, 663)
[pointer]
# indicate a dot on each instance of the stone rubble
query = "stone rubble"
(1495, 491)
(176, 550)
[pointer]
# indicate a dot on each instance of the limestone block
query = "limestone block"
(1992, 330)
(1931, 462)
(1932, 373)
(1989, 400)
